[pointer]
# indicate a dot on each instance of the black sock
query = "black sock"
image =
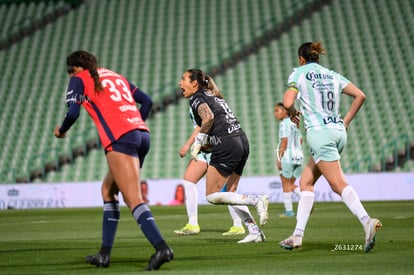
(161, 246)
(105, 250)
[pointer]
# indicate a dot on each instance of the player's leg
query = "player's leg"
(295, 189)
(233, 153)
(237, 227)
(287, 176)
(125, 171)
(255, 234)
(297, 172)
(111, 215)
(310, 175)
(287, 197)
(194, 172)
(215, 180)
(243, 212)
(332, 171)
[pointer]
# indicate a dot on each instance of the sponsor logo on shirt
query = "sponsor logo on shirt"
(134, 120)
(312, 76)
(125, 108)
(332, 119)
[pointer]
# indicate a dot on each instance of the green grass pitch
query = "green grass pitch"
(55, 241)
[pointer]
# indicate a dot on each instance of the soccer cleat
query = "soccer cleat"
(254, 238)
(261, 208)
(188, 229)
(99, 260)
(373, 226)
(234, 230)
(159, 258)
(291, 242)
(287, 214)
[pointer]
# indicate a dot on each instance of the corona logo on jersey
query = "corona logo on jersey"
(312, 76)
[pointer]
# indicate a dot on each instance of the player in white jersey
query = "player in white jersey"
(318, 90)
(289, 157)
(193, 173)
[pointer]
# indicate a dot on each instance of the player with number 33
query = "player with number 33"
(110, 100)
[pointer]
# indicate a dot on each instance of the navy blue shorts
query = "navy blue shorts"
(135, 143)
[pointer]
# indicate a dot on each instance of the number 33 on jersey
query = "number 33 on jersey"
(116, 98)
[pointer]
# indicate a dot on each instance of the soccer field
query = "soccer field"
(55, 241)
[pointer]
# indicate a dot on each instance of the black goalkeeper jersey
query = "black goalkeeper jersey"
(225, 123)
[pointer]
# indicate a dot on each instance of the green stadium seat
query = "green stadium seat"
(153, 53)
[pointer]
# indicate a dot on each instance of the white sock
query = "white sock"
(236, 219)
(287, 201)
(252, 228)
(351, 199)
(243, 212)
(232, 198)
(304, 208)
(297, 191)
(191, 201)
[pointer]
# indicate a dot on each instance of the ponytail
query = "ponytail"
(88, 62)
(96, 81)
(205, 82)
(311, 51)
(199, 76)
(213, 89)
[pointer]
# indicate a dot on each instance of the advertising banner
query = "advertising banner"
(370, 187)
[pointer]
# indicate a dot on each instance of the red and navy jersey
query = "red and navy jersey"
(113, 110)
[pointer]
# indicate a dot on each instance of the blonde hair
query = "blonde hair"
(213, 89)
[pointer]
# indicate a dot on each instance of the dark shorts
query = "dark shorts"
(230, 155)
(135, 143)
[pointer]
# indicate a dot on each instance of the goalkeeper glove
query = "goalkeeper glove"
(199, 141)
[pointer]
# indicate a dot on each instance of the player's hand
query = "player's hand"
(200, 140)
(295, 118)
(346, 124)
(195, 150)
(57, 133)
(183, 151)
(279, 165)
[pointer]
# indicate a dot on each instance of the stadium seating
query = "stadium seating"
(371, 44)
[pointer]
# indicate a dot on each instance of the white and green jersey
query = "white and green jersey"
(293, 153)
(319, 90)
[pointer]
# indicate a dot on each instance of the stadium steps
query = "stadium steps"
(20, 19)
(62, 36)
(169, 165)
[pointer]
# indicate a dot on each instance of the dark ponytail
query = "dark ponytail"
(199, 76)
(87, 61)
(205, 82)
(311, 51)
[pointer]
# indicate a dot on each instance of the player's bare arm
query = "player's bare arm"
(359, 98)
(207, 118)
(289, 103)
